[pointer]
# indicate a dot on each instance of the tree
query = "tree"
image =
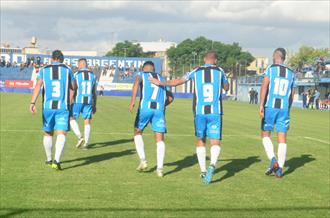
(127, 49)
(190, 53)
(307, 55)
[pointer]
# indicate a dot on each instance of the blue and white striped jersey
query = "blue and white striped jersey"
(86, 82)
(281, 81)
(57, 78)
(208, 80)
(152, 96)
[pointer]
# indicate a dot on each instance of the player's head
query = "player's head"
(57, 56)
(82, 63)
(210, 57)
(148, 66)
(279, 56)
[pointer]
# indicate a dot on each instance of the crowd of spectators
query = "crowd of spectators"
(312, 100)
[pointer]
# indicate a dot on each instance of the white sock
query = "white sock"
(201, 156)
(160, 154)
(75, 128)
(215, 152)
(48, 144)
(87, 132)
(281, 153)
(60, 142)
(139, 145)
(269, 148)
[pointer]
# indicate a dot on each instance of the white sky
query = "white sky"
(258, 26)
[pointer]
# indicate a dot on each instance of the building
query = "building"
(258, 66)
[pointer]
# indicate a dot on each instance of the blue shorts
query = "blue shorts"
(85, 109)
(278, 117)
(55, 120)
(155, 117)
(209, 125)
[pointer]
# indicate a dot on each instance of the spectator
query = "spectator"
(251, 93)
(310, 99)
(256, 97)
(316, 96)
(304, 98)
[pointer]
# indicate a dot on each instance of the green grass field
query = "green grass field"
(102, 181)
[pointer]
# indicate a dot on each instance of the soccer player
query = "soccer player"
(84, 102)
(276, 97)
(151, 110)
(56, 80)
(209, 81)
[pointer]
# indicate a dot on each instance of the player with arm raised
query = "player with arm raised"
(276, 96)
(209, 81)
(84, 102)
(153, 100)
(55, 80)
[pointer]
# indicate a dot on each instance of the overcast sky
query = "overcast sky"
(258, 26)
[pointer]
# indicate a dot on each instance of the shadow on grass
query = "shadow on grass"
(8, 212)
(297, 162)
(98, 158)
(109, 143)
(235, 166)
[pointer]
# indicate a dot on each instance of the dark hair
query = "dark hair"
(282, 51)
(83, 59)
(148, 63)
(211, 54)
(58, 55)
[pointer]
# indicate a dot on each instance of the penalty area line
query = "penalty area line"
(316, 140)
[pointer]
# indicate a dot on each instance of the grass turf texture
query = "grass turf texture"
(102, 181)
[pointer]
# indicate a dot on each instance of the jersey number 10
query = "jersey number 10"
(281, 86)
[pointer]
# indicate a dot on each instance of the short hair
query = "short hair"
(211, 54)
(83, 59)
(148, 63)
(281, 52)
(58, 55)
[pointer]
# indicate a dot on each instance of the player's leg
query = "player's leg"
(267, 125)
(214, 132)
(62, 126)
(48, 118)
(75, 112)
(282, 126)
(87, 116)
(200, 132)
(141, 121)
(159, 128)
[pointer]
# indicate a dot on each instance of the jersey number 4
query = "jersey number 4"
(281, 86)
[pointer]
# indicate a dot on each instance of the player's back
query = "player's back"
(86, 81)
(152, 96)
(57, 78)
(208, 80)
(281, 79)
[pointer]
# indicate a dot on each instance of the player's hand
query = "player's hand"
(131, 107)
(33, 108)
(261, 112)
(154, 81)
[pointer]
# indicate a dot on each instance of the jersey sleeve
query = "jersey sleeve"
(267, 72)
(224, 78)
(189, 75)
(71, 75)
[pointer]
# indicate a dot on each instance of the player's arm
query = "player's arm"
(291, 96)
(169, 98)
(94, 97)
(263, 92)
(173, 82)
(134, 93)
(35, 95)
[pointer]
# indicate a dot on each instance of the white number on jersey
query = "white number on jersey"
(56, 90)
(86, 88)
(208, 92)
(154, 92)
(281, 86)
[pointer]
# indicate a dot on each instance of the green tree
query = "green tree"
(190, 53)
(127, 49)
(307, 55)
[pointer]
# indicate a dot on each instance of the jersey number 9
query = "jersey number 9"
(208, 92)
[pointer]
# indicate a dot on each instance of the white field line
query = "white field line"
(317, 140)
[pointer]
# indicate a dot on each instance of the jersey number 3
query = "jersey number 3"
(281, 86)
(56, 90)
